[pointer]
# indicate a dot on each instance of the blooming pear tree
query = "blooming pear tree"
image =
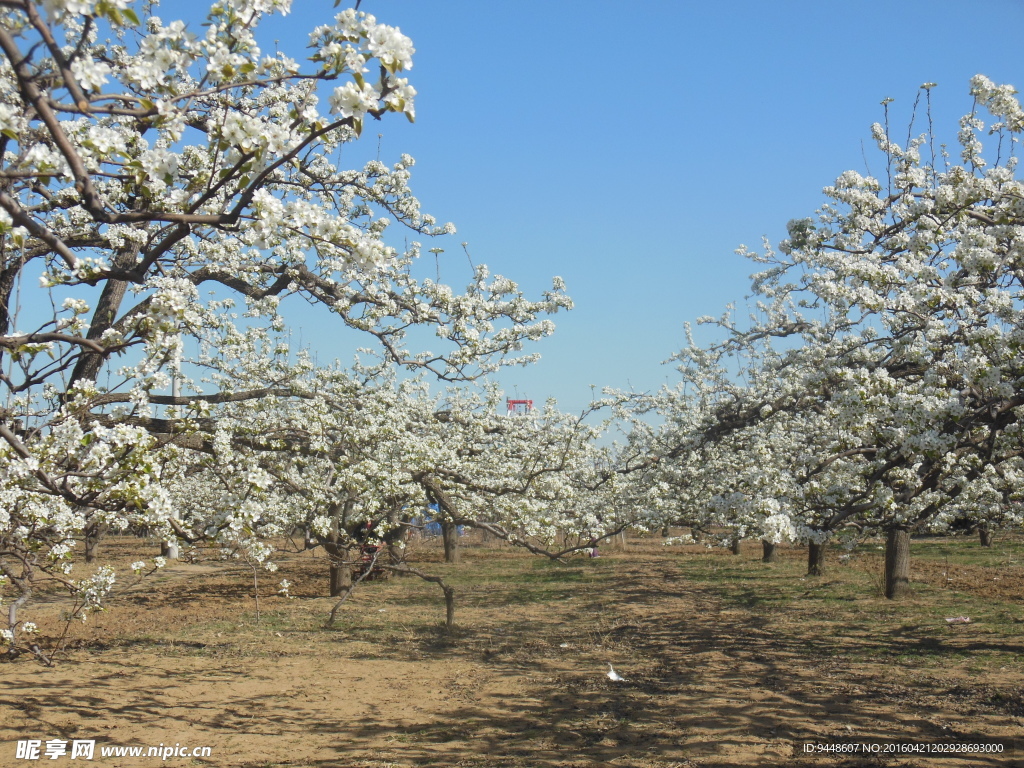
(353, 457)
(536, 480)
(147, 164)
(883, 376)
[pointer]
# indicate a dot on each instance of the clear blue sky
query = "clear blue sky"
(631, 147)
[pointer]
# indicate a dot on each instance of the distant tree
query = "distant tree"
(880, 381)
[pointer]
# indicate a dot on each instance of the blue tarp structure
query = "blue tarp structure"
(432, 527)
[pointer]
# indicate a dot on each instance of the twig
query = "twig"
(256, 590)
(38, 653)
(449, 592)
(352, 586)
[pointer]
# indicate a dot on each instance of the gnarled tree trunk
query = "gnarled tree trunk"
(985, 535)
(768, 551)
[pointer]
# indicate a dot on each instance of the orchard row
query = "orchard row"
(163, 193)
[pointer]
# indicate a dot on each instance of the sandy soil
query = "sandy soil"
(522, 684)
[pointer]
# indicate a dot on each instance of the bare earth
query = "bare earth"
(709, 681)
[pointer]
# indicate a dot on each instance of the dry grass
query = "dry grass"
(729, 662)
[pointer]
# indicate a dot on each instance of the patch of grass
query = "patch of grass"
(508, 601)
(1006, 550)
(695, 632)
(844, 611)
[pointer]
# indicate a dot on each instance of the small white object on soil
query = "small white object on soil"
(615, 676)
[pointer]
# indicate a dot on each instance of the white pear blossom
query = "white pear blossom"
(351, 100)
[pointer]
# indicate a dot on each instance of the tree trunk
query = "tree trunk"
(93, 534)
(449, 530)
(341, 572)
(450, 535)
(396, 553)
(8, 279)
(337, 545)
(735, 547)
(397, 535)
(23, 584)
(665, 532)
(170, 549)
(985, 535)
(816, 559)
(449, 608)
(768, 553)
(897, 563)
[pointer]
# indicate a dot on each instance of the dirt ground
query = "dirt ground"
(716, 674)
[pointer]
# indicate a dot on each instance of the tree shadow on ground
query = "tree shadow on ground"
(708, 683)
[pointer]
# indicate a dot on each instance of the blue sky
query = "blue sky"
(631, 147)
